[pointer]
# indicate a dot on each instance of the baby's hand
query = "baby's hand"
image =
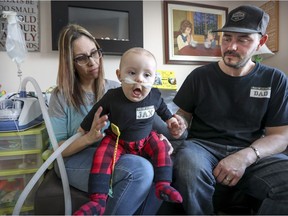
(95, 134)
(173, 125)
(177, 127)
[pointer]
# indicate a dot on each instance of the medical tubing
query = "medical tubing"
(128, 80)
(65, 183)
(39, 173)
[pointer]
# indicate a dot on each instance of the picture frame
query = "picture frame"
(272, 8)
(203, 46)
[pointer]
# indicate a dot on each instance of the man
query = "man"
(237, 114)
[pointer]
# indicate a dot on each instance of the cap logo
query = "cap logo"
(238, 16)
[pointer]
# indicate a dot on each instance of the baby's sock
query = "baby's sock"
(167, 193)
(96, 206)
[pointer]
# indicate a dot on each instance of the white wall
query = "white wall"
(43, 65)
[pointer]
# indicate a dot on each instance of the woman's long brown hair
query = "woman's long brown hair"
(68, 82)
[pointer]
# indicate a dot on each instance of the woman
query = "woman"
(80, 83)
(185, 37)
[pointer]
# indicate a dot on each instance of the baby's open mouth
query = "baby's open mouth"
(137, 91)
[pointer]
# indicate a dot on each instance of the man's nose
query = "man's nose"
(232, 45)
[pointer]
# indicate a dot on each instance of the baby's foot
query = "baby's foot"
(167, 193)
(96, 206)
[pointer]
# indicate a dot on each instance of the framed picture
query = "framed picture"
(188, 32)
(272, 8)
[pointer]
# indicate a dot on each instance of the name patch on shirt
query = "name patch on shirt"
(145, 112)
(260, 92)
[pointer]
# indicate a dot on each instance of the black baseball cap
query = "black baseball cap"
(246, 19)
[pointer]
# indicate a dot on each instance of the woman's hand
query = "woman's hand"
(189, 37)
(163, 138)
(98, 123)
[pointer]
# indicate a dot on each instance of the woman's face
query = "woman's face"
(187, 31)
(82, 47)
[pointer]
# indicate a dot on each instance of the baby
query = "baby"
(130, 109)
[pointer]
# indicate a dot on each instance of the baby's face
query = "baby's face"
(137, 75)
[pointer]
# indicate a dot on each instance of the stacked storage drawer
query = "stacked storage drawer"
(20, 158)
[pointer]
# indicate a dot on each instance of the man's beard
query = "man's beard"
(241, 63)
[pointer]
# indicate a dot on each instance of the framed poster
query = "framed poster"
(272, 8)
(188, 32)
(28, 17)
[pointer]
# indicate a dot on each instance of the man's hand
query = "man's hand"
(230, 169)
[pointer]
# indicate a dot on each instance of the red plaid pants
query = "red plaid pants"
(150, 147)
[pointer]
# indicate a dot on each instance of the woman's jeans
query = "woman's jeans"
(194, 162)
(132, 182)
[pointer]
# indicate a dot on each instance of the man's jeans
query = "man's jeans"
(193, 166)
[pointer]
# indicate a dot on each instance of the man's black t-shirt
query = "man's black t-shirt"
(234, 110)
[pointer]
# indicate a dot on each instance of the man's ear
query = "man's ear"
(262, 41)
(118, 74)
